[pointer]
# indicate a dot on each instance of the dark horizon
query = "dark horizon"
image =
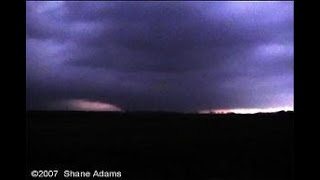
(154, 112)
(163, 146)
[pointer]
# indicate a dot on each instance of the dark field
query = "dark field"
(163, 146)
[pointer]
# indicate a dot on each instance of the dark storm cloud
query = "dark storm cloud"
(175, 56)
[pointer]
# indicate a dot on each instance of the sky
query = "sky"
(189, 56)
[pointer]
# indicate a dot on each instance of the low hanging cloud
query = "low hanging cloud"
(169, 56)
(84, 105)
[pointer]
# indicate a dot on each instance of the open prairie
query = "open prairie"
(163, 145)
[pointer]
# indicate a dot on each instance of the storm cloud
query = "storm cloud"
(160, 56)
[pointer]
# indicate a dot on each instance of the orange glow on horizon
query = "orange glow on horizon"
(246, 110)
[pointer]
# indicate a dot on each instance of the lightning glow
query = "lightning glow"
(246, 110)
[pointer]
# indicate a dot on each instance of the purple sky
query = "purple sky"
(159, 56)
